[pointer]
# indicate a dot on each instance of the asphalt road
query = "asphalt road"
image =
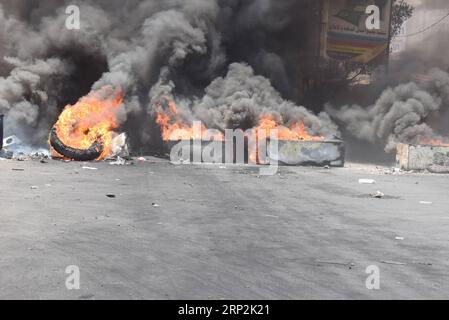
(209, 232)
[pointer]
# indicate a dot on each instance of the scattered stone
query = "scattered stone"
(378, 195)
(154, 204)
(20, 157)
(112, 196)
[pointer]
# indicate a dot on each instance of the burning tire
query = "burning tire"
(92, 153)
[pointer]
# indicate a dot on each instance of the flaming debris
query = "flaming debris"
(240, 100)
(173, 127)
(85, 130)
(184, 45)
(295, 132)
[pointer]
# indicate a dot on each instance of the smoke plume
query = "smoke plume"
(402, 114)
(144, 47)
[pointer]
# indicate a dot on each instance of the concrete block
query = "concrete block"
(308, 153)
(421, 157)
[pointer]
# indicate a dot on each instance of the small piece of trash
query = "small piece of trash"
(154, 204)
(34, 187)
(400, 238)
(378, 195)
(89, 168)
(337, 263)
(17, 169)
(367, 181)
(425, 202)
(222, 167)
(111, 196)
(141, 159)
(118, 162)
(394, 263)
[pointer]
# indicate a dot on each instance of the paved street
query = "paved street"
(210, 232)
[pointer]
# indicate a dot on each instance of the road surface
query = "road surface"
(214, 232)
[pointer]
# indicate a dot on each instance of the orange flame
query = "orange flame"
(296, 132)
(173, 127)
(92, 118)
(438, 142)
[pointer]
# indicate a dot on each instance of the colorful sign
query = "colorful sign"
(349, 38)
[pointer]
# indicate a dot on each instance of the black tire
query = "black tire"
(90, 154)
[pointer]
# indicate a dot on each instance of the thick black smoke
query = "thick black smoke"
(410, 102)
(141, 45)
(403, 114)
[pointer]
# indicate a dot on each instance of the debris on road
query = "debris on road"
(337, 263)
(34, 187)
(89, 168)
(11, 141)
(118, 162)
(154, 204)
(4, 154)
(378, 195)
(111, 196)
(119, 146)
(400, 238)
(438, 169)
(367, 181)
(394, 263)
(425, 202)
(20, 157)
